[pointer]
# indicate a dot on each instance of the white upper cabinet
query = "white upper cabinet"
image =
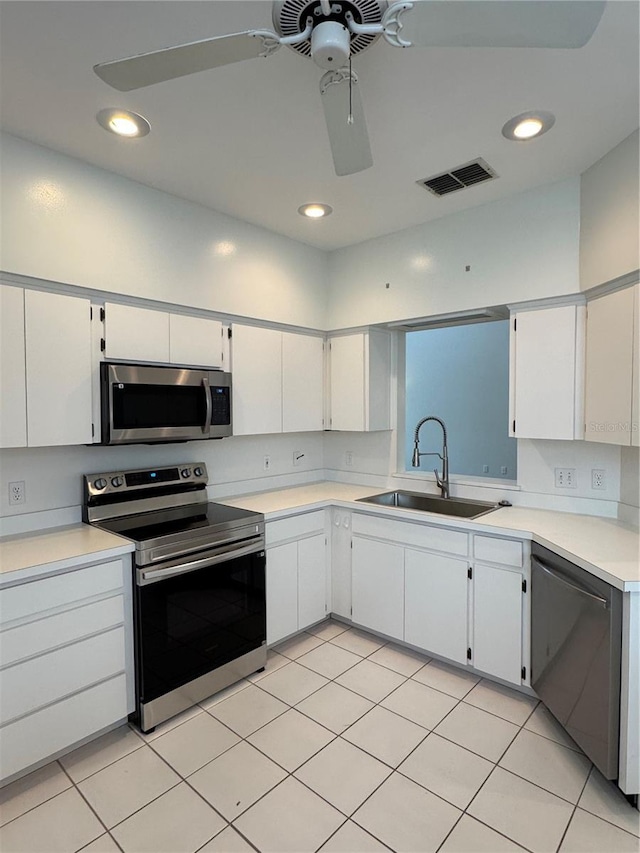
(302, 383)
(257, 380)
(360, 381)
(141, 334)
(277, 381)
(13, 393)
(611, 395)
(58, 367)
(546, 373)
(195, 340)
(136, 334)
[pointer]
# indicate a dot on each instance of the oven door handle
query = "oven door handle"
(154, 575)
(206, 426)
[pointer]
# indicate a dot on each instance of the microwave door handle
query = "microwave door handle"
(206, 426)
(155, 575)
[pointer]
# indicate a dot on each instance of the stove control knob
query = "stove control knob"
(185, 473)
(117, 481)
(198, 472)
(100, 484)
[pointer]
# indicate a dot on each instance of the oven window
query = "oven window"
(150, 406)
(188, 625)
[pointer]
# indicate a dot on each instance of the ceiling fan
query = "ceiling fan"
(330, 32)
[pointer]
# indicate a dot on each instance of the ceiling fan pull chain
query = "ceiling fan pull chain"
(350, 116)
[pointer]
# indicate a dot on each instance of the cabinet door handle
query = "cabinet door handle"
(206, 426)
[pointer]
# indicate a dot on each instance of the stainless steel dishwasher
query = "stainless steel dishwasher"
(576, 644)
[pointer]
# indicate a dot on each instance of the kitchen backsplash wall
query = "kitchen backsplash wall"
(53, 475)
(373, 459)
(96, 229)
(630, 484)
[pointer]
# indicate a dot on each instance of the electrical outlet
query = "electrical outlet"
(566, 478)
(267, 463)
(298, 456)
(503, 469)
(348, 458)
(16, 493)
(485, 469)
(598, 478)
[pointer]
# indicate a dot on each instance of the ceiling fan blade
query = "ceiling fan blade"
(492, 23)
(171, 62)
(349, 140)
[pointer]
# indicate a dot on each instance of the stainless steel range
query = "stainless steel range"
(199, 584)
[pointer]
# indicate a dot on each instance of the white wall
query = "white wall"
(66, 221)
(520, 248)
(610, 215)
(53, 475)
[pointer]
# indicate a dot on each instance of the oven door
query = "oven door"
(142, 403)
(194, 617)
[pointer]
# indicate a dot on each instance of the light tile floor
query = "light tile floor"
(345, 744)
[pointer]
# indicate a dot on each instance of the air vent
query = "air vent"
(475, 172)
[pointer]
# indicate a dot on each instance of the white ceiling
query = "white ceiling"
(249, 139)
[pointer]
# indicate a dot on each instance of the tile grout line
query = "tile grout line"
(569, 822)
(85, 800)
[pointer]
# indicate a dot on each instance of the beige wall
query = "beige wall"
(609, 215)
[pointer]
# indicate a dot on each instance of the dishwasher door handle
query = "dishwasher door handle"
(561, 579)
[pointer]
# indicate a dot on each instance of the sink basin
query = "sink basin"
(431, 503)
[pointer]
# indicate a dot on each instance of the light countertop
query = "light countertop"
(605, 547)
(58, 548)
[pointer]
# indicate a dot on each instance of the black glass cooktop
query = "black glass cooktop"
(184, 519)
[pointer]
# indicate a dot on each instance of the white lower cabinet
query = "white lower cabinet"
(67, 660)
(436, 604)
(451, 593)
(341, 562)
(297, 577)
(377, 586)
(282, 591)
(497, 622)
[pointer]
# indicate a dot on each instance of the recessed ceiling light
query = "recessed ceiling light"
(528, 126)
(315, 210)
(123, 122)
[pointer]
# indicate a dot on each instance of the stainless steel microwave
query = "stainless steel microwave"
(144, 404)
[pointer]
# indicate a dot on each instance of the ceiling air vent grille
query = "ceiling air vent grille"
(475, 172)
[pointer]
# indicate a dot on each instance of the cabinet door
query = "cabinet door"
(341, 563)
(347, 383)
(312, 580)
(497, 622)
(282, 591)
(195, 341)
(544, 365)
(609, 368)
(377, 577)
(257, 380)
(302, 383)
(136, 334)
(13, 383)
(436, 604)
(59, 372)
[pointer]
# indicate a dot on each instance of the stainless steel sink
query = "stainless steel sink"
(459, 507)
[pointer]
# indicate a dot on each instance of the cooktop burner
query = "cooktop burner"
(165, 511)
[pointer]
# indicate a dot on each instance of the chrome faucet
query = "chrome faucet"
(443, 482)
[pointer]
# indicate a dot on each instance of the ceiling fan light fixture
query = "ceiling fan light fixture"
(123, 123)
(526, 126)
(315, 210)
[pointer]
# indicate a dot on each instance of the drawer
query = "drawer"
(490, 549)
(38, 596)
(295, 527)
(406, 533)
(55, 728)
(29, 685)
(35, 638)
